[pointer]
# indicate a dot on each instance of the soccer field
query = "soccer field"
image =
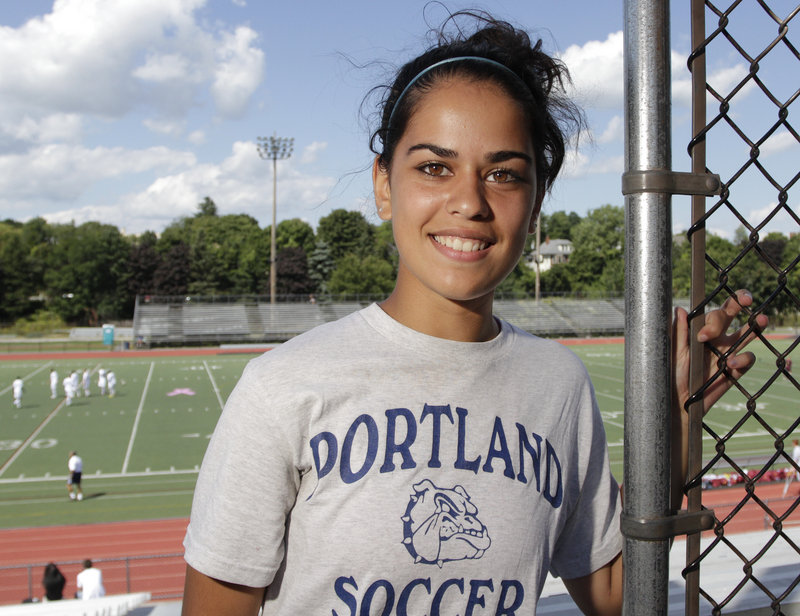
(142, 448)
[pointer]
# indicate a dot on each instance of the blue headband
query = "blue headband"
(427, 70)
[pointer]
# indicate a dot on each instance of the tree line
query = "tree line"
(91, 273)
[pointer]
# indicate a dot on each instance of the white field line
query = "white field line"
(7, 389)
(23, 480)
(30, 439)
(136, 421)
(214, 384)
(35, 501)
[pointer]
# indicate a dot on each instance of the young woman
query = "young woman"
(422, 456)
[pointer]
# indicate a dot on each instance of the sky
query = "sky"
(131, 112)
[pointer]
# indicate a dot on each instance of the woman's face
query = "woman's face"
(461, 192)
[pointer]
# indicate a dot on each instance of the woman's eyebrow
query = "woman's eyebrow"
(493, 157)
(504, 155)
(437, 150)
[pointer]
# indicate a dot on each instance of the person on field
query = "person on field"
(86, 379)
(422, 456)
(90, 582)
(53, 384)
(112, 384)
(17, 389)
(102, 381)
(75, 468)
(53, 582)
(76, 382)
(69, 389)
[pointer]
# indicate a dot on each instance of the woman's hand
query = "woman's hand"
(714, 332)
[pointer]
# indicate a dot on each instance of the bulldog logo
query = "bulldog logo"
(442, 525)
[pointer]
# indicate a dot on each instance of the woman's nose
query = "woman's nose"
(468, 198)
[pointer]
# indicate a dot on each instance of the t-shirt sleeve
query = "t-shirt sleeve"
(591, 537)
(246, 487)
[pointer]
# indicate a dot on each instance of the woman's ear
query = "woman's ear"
(382, 190)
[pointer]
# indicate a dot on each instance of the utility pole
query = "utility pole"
(274, 148)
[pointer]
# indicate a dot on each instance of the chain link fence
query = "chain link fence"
(766, 264)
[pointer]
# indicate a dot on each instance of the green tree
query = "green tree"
(143, 261)
(294, 233)
(384, 244)
(292, 268)
(206, 207)
(559, 225)
(85, 274)
(370, 275)
(228, 254)
(346, 232)
(320, 266)
(598, 245)
(174, 271)
(16, 284)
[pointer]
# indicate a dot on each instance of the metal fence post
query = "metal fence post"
(648, 300)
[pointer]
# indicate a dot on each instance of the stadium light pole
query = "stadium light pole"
(274, 148)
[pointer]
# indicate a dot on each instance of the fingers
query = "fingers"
(680, 331)
(718, 321)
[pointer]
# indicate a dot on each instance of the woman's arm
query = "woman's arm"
(206, 596)
(600, 593)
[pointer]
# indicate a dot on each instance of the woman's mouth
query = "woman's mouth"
(460, 244)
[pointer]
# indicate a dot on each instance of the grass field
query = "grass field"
(141, 449)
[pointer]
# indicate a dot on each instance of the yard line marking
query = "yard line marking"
(30, 439)
(136, 421)
(35, 501)
(214, 384)
(27, 376)
(102, 476)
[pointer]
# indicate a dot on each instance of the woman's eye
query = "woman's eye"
(502, 176)
(434, 169)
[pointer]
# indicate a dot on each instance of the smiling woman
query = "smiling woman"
(422, 455)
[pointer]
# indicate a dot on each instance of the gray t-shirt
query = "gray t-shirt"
(365, 468)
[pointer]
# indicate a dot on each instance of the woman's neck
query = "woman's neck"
(463, 321)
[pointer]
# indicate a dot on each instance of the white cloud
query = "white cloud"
(597, 73)
(241, 183)
(780, 141)
(54, 127)
(239, 71)
(163, 127)
(614, 131)
(163, 68)
(105, 58)
(61, 172)
(196, 137)
(311, 152)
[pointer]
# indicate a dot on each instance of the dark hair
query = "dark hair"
(538, 86)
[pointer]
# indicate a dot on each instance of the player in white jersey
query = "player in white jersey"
(17, 388)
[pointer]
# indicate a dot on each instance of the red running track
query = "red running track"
(163, 577)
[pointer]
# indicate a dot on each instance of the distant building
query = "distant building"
(552, 253)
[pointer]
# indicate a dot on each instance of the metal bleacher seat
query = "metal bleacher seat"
(110, 605)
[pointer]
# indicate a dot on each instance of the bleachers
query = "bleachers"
(252, 320)
(110, 605)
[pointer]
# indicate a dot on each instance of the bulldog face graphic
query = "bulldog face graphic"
(442, 525)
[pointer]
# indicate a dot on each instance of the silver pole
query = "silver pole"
(274, 148)
(648, 300)
(273, 274)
